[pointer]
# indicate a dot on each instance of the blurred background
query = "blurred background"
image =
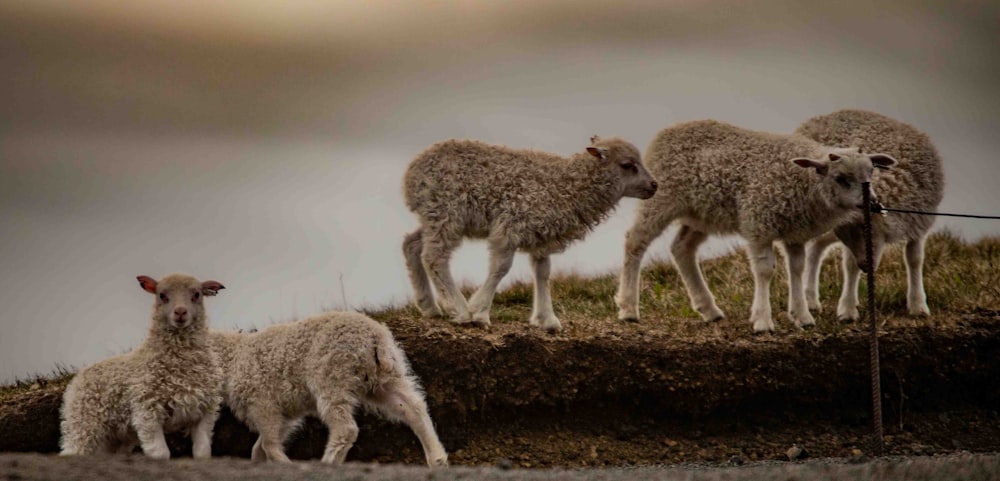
(262, 143)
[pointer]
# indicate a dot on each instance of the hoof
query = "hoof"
(629, 319)
(716, 319)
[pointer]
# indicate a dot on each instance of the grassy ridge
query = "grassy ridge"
(959, 277)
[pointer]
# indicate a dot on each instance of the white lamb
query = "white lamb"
(916, 183)
(172, 382)
(518, 200)
(716, 178)
(325, 366)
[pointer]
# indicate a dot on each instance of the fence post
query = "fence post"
(877, 441)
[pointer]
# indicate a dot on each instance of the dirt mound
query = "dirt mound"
(622, 394)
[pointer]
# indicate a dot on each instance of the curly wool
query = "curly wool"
(173, 379)
(915, 183)
(540, 202)
(717, 178)
(724, 179)
(323, 366)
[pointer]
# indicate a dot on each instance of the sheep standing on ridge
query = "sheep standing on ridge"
(716, 178)
(323, 366)
(172, 382)
(916, 183)
(518, 200)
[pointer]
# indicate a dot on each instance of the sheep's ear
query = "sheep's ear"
(882, 161)
(148, 284)
(594, 139)
(833, 157)
(211, 288)
(806, 163)
(599, 152)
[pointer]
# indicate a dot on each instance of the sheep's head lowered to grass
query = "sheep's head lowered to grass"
(179, 299)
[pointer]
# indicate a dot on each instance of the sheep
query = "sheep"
(172, 382)
(916, 183)
(325, 366)
(518, 200)
(716, 178)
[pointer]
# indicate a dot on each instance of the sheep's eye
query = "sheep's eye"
(163, 297)
(843, 181)
(630, 166)
(196, 296)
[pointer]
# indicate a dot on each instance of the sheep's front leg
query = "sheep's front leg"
(541, 313)
(151, 437)
(201, 436)
(761, 256)
(916, 298)
(815, 251)
(501, 258)
(847, 308)
(798, 311)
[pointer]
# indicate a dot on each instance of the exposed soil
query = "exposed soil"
(614, 394)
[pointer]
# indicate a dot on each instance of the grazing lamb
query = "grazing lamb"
(172, 382)
(324, 366)
(916, 183)
(518, 200)
(716, 178)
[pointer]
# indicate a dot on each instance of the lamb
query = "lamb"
(326, 366)
(916, 183)
(518, 200)
(172, 382)
(717, 178)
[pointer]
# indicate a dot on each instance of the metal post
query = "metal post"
(877, 441)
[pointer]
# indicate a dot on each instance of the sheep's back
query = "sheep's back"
(723, 178)
(469, 183)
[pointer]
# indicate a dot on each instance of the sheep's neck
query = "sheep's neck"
(193, 337)
(590, 190)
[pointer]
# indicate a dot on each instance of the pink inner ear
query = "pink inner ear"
(834, 157)
(148, 284)
(210, 288)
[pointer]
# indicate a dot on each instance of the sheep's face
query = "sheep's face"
(843, 173)
(179, 300)
(624, 161)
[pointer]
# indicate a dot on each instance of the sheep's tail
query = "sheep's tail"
(390, 361)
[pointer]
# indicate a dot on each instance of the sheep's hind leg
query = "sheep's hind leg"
(413, 245)
(338, 415)
(501, 258)
(650, 221)
(287, 428)
(436, 257)
(684, 250)
(542, 314)
(798, 310)
(761, 256)
(399, 400)
(815, 251)
(269, 445)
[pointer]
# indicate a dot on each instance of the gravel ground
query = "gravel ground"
(49, 467)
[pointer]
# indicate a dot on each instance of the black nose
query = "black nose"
(653, 184)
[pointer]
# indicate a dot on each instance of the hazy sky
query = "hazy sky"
(262, 143)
